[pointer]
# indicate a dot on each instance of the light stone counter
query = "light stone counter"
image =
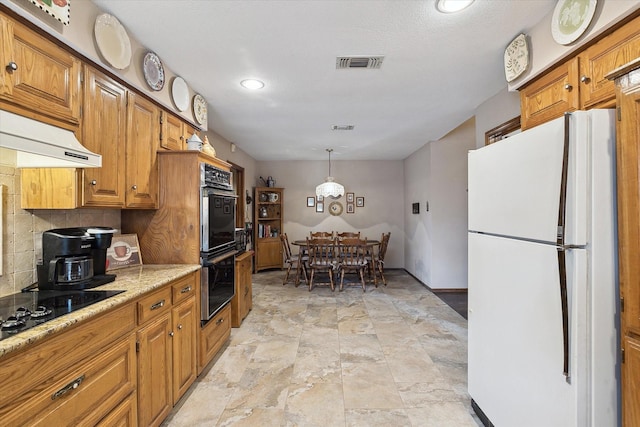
(135, 281)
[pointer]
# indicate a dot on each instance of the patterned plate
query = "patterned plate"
(516, 58)
(199, 109)
(153, 71)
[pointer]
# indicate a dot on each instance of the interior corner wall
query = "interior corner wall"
(436, 240)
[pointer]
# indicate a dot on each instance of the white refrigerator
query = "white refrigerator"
(543, 317)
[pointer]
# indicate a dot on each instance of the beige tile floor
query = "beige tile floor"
(394, 356)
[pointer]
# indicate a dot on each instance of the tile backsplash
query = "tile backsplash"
(22, 231)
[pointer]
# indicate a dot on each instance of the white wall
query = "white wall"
(379, 182)
(436, 241)
(495, 111)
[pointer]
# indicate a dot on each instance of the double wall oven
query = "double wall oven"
(217, 239)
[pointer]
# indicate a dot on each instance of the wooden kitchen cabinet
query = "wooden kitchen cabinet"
(143, 134)
(243, 299)
(154, 370)
(213, 335)
(551, 95)
(167, 348)
(268, 222)
(39, 79)
(175, 132)
(104, 132)
(122, 127)
(94, 372)
(627, 83)
(580, 83)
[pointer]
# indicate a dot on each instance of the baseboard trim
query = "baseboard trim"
(451, 290)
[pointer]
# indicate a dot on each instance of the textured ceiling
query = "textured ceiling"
(437, 68)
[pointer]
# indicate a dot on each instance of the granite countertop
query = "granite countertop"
(135, 281)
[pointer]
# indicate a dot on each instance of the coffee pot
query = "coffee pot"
(74, 258)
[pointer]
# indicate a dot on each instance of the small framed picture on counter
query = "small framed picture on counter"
(123, 252)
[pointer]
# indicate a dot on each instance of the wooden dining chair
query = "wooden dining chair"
(378, 259)
(321, 234)
(297, 261)
(351, 258)
(348, 235)
(321, 253)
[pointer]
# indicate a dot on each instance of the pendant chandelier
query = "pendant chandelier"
(330, 188)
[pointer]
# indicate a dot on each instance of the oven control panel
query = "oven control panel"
(211, 176)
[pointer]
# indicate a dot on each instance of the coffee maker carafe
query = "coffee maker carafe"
(75, 258)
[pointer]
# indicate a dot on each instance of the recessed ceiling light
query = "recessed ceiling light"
(452, 6)
(252, 84)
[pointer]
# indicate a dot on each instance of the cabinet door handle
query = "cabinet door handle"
(220, 321)
(585, 79)
(66, 389)
(568, 86)
(134, 187)
(94, 182)
(171, 333)
(11, 67)
(159, 304)
(185, 290)
(179, 326)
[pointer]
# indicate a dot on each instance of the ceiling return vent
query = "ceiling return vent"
(346, 62)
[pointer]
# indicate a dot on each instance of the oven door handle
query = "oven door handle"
(211, 262)
(210, 191)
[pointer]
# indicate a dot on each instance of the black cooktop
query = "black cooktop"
(19, 312)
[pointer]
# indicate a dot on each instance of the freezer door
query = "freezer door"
(515, 184)
(516, 340)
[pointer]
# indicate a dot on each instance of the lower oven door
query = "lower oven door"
(218, 283)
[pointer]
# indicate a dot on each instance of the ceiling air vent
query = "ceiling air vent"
(342, 127)
(345, 62)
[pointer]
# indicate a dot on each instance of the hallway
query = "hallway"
(393, 356)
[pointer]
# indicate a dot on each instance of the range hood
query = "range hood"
(40, 145)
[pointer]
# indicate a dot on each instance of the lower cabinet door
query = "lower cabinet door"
(154, 371)
(185, 323)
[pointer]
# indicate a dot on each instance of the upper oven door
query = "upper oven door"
(218, 219)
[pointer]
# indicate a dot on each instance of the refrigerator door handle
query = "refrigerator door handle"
(562, 269)
(562, 206)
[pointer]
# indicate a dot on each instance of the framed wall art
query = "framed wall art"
(59, 9)
(311, 202)
(350, 197)
(359, 202)
(351, 208)
(320, 207)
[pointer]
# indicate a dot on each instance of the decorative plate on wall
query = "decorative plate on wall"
(335, 208)
(199, 109)
(180, 93)
(516, 58)
(153, 71)
(112, 40)
(571, 19)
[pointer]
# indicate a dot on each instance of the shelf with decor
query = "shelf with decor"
(267, 214)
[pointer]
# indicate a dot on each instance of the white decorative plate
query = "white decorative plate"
(516, 58)
(180, 93)
(571, 19)
(199, 109)
(153, 71)
(112, 40)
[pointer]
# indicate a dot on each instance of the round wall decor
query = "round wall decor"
(571, 19)
(153, 71)
(335, 208)
(180, 93)
(199, 109)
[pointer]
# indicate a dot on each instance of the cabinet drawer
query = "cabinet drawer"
(85, 394)
(184, 288)
(28, 372)
(213, 335)
(154, 305)
(124, 415)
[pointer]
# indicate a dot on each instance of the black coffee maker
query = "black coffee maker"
(75, 258)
